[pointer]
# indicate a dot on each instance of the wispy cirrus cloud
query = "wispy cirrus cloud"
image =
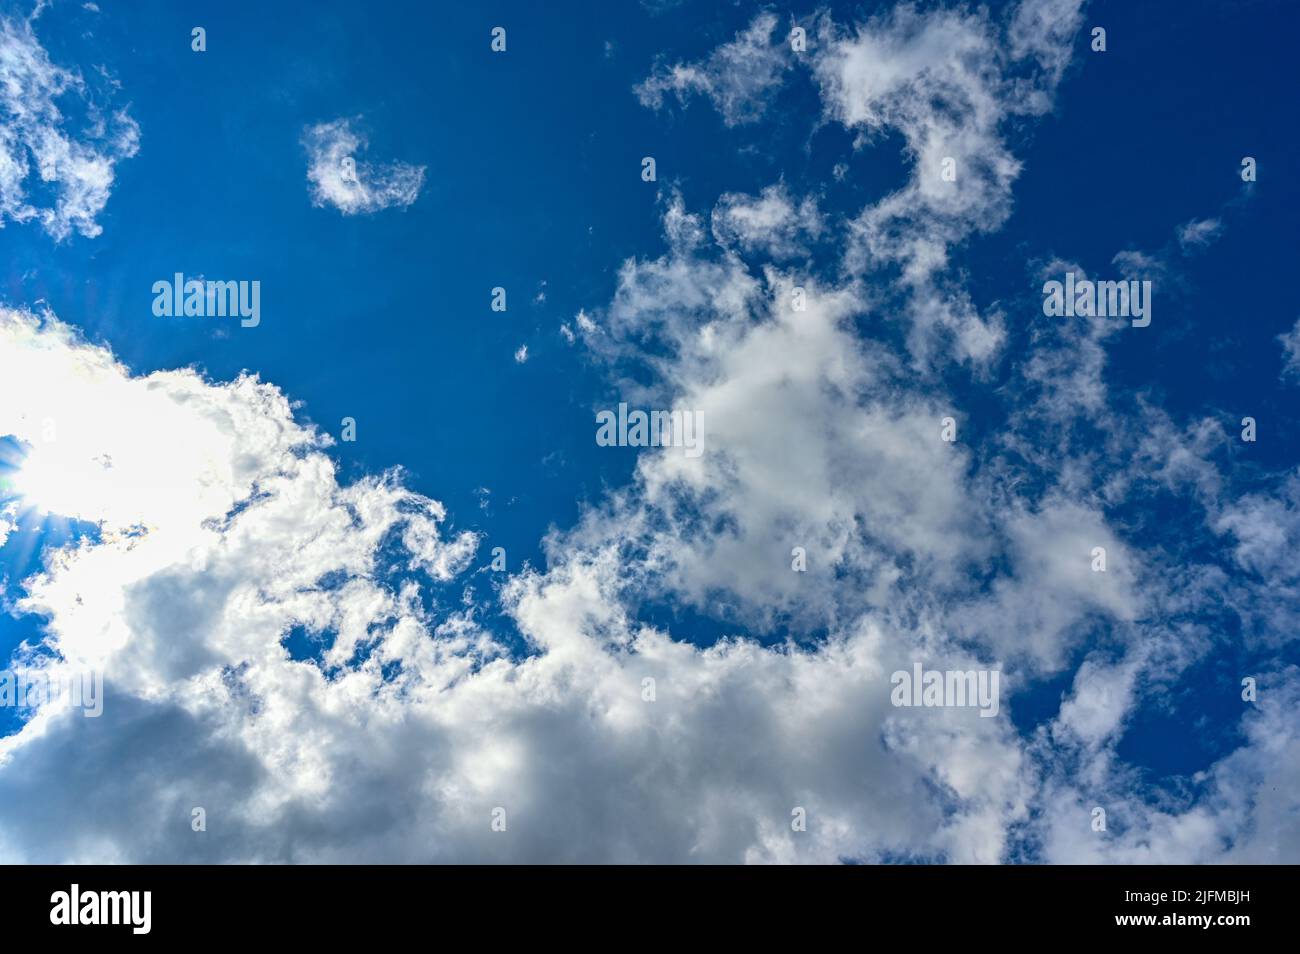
(338, 176)
(60, 142)
(738, 77)
(1199, 233)
(1291, 351)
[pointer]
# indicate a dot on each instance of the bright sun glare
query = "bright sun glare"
(50, 484)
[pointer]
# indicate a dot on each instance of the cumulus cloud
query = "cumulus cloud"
(337, 174)
(871, 479)
(792, 394)
(413, 722)
(59, 144)
(225, 537)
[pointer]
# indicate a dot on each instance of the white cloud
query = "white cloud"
(1045, 30)
(1199, 233)
(737, 77)
(947, 81)
(416, 723)
(770, 222)
(225, 528)
(1247, 814)
(938, 80)
(339, 176)
(1263, 530)
(52, 169)
(1291, 351)
(809, 440)
(1267, 531)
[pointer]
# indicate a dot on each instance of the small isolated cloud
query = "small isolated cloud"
(522, 354)
(1169, 265)
(1291, 351)
(1198, 233)
(59, 145)
(338, 176)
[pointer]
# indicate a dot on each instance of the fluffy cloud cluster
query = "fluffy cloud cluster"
(224, 534)
(413, 723)
(338, 176)
(59, 145)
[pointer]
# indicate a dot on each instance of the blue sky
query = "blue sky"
(1122, 692)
